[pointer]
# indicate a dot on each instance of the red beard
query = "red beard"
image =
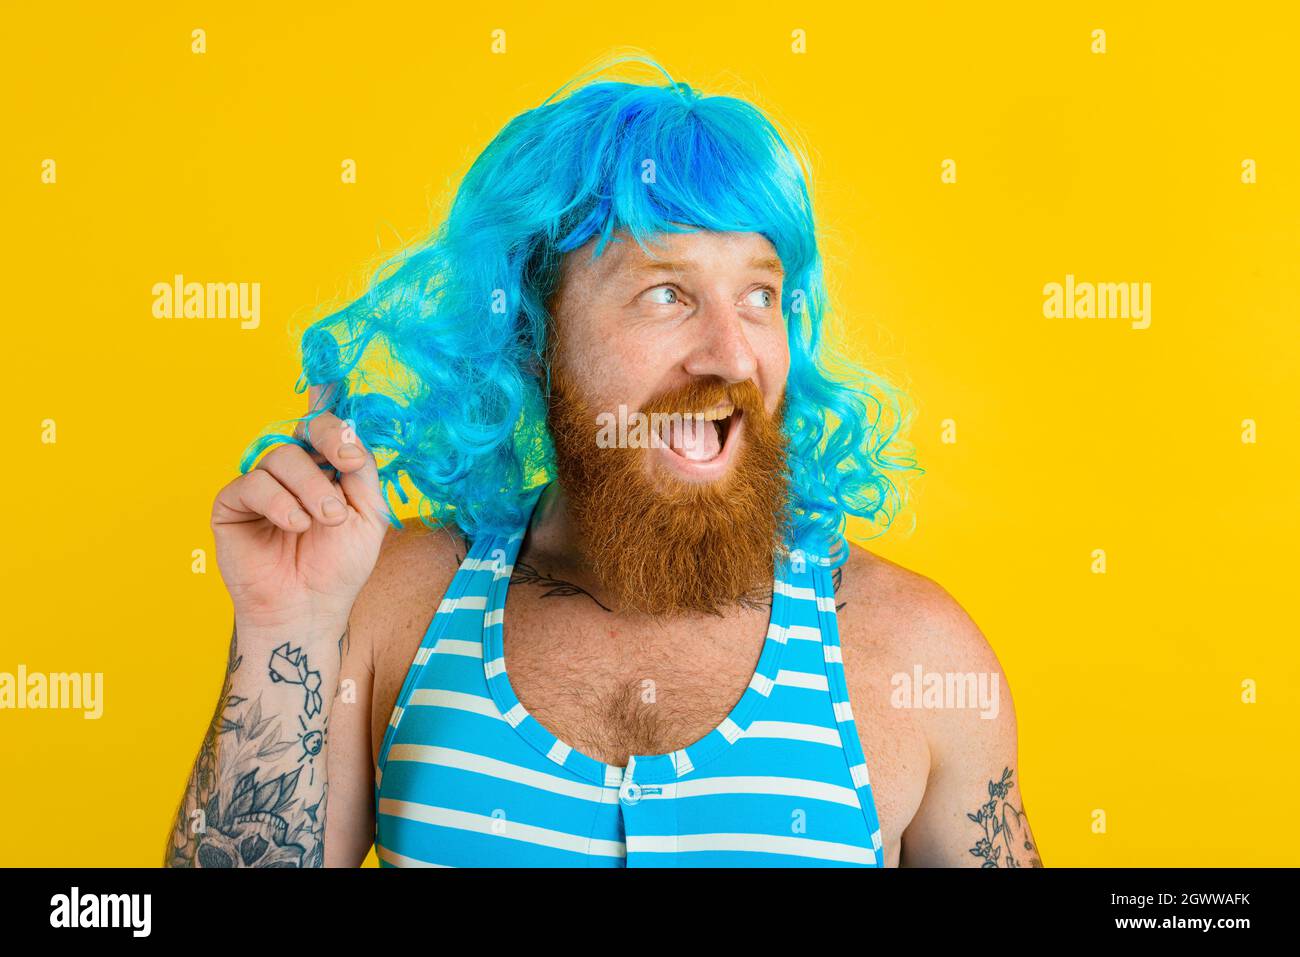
(661, 546)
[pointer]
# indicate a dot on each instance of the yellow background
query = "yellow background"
(1071, 435)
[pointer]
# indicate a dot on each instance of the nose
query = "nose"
(722, 348)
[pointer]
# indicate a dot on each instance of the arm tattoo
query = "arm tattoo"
(256, 796)
(1005, 829)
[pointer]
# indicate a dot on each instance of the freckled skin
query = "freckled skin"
(626, 343)
(628, 339)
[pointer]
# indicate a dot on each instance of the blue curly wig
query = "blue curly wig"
(440, 365)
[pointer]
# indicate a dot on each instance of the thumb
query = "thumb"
(361, 486)
(318, 397)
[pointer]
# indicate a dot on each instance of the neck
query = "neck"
(553, 538)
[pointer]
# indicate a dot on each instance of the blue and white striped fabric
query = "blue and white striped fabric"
(466, 777)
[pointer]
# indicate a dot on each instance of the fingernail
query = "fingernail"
(331, 507)
(349, 451)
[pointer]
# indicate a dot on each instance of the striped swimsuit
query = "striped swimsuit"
(466, 777)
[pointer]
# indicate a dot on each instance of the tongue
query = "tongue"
(695, 440)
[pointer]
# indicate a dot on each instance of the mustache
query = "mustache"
(700, 395)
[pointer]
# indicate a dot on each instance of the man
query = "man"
(606, 375)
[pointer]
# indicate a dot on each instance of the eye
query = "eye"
(663, 295)
(766, 297)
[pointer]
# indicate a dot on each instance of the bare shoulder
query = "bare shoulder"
(393, 611)
(904, 616)
(415, 565)
(902, 631)
(920, 668)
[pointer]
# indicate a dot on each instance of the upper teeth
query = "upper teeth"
(718, 412)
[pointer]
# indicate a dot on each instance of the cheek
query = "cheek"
(773, 368)
(611, 375)
(629, 370)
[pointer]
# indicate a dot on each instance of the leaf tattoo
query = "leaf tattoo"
(1005, 829)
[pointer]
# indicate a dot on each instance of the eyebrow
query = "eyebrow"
(761, 263)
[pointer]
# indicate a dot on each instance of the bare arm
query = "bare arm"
(257, 794)
(297, 538)
(973, 810)
(350, 826)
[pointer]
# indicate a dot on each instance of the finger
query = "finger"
(256, 495)
(362, 489)
(333, 438)
(334, 441)
(337, 441)
(318, 397)
(293, 468)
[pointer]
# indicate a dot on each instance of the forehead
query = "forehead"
(701, 250)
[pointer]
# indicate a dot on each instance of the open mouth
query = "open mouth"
(701, 442)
